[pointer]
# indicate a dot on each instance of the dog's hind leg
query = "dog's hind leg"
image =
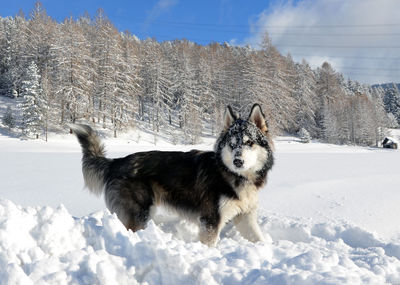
(248, 227)
(131, 201)
(137, 220)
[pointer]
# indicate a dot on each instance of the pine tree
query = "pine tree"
(40, 36)
(392, 121)
(128, 83)
(274, 84)
(46, 101)
(31, 105)
(304, 135)
(379, 114)
(306, 98)
(13, 59)
(392, 101)
(106, 54)
(203, 88)
(330, 95)
(73, 73)
(158, 88)
(8, 118)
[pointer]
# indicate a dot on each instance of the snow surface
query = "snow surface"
(330, 215)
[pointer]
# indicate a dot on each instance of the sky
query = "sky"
(360, 38)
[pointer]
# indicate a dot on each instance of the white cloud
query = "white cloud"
(343, 32)
(158, 9)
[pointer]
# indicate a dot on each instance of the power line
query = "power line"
(289, 33)
(222, 27)
(372, 75)
(334, 35)
(337, 26)
(168, 38)
(355, 75)
(345, 56)
(352, 73)
(294, 45)
(335, 46)
(360, 68)
(164, 22)
(368, 68)
(358, 73)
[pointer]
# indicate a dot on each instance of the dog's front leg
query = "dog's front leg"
(248, 227)
(209, 231)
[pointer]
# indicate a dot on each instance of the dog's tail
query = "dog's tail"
(94, 163)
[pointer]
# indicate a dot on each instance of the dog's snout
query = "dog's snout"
(238, 162)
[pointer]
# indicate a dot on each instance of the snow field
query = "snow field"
(329, 214)
(43, 245)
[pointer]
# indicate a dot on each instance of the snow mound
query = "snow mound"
(43, 245)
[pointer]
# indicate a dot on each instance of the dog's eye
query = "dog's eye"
(249, 143)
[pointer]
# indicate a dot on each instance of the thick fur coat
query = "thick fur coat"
(209, 188)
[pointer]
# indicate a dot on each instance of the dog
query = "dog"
(210, 188)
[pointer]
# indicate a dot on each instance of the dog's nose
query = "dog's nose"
(238, 162)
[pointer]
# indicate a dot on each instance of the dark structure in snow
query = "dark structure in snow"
(389, 143)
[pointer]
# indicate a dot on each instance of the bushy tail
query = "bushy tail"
(94, 163)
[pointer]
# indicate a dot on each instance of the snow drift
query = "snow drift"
(43, 245)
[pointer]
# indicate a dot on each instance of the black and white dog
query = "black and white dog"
(209, 188)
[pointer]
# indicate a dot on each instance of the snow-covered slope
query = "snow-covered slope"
(329, 213)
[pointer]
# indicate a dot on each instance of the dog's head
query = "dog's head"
(245, 146)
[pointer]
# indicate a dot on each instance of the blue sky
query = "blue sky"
(360, 38)
(200, 21)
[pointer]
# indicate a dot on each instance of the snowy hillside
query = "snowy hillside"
(330, 215)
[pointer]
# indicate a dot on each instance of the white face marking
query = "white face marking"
(254, 159)
(245, 139)
(227, 157)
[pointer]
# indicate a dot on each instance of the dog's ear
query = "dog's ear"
(257, 117)
(229, 117)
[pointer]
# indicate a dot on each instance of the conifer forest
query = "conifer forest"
(85, 70)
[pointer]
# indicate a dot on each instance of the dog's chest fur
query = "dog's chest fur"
(247, 201)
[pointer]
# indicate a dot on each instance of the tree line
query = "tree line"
(85, 70)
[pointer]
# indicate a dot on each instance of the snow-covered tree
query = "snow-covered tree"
(128, 83)
(304, 135)
(379, 114)
(47, 101)
(329, 92)
(274, 83)
(203, 89)
(392, 101)
(305, 96)
(40, 35)
(13, 37)
(392, 121)
(8, 118)
(72, 73)
(90, 71)
(31, 105)
(104, 53)
(158, 86)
